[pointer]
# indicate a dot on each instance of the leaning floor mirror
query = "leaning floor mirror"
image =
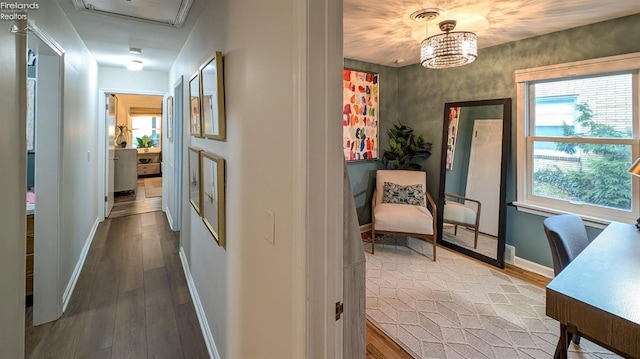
(473, 169)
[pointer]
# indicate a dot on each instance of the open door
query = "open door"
(483, 179)
(110, 116)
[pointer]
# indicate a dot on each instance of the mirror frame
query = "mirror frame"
(506, 143)
(215, 62)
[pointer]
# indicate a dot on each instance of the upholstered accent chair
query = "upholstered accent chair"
(462, 211)
(567, 238)
(402, 206)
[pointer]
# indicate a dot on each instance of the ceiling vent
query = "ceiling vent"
(162, 12)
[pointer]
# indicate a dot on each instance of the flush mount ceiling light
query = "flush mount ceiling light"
(134, 65)
(450, 49)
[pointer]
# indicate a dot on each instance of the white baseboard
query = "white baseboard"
(533, 267)
(66, 296)
(169, 218)
(365, 227)
(511, 258)
(202, 318)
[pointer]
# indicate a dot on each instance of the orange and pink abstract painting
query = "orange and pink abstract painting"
(360, 115)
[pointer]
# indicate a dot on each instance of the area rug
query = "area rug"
(153, 187)
(458, 308)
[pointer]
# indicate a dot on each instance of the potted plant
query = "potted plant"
(144, 142)
(405, 148)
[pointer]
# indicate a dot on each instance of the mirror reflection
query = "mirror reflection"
(473, 179)
(194, 106)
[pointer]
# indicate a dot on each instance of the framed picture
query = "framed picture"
(170, 114)
(195, 196)
(194, 106)
(360, 115)
(213, 199)
(31, 113)
(212, 105)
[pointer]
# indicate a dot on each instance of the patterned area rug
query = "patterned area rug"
(458, 308)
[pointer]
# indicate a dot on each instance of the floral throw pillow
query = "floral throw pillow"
(411, 194)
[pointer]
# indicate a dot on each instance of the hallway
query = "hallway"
(131, 299)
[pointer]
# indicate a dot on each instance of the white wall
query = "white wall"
(79, 201)
(79, 156)
(13, 181)
(135, 81)
(250, 290)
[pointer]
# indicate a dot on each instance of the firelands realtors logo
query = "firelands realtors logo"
(16, 11)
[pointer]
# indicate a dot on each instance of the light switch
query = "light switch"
(88, 155)
(270, 227)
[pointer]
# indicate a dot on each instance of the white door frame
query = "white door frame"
(47, 291)
(319, 194)
(102, 139)
(178, 120)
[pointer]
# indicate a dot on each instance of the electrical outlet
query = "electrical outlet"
(270, 227)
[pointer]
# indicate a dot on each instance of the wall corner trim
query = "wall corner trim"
(202, 319)
(167, 213)
(66, 297)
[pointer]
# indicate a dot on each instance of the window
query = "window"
(578, 134)
(146, 125)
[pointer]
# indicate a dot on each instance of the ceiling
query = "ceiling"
(376, 31)
(382, 32)
(109, 37)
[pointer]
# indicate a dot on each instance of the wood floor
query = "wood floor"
(135, 203)
(131, 299)
(381, 346)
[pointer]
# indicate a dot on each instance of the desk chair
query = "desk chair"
(567, 238)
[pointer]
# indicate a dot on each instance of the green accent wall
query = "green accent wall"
(362, 173)
(421, 94)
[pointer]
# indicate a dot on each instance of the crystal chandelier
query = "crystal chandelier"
(450, 49)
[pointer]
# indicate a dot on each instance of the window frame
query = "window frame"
(525, 79)
(145, 115)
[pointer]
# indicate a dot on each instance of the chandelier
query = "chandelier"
(449, 49)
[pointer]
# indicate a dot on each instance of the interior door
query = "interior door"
(111, 110)
(483, 180)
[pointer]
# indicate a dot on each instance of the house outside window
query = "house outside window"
(578, 134)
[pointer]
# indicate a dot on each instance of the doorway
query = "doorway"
(134, 126)
(45, 60)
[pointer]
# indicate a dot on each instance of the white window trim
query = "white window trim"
(612, 64)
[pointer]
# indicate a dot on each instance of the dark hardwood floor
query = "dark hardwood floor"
(131, 299)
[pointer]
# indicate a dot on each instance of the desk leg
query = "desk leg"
(563, 344)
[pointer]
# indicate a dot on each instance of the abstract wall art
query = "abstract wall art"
(360, 115)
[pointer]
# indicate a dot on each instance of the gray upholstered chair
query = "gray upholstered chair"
(414, 218)
(567, 238)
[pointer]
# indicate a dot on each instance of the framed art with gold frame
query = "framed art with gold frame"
(195, 178)
(195, 126)
(212, 98)
(213, 195)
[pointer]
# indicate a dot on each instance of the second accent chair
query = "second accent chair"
(462, 211)
(402, 206)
